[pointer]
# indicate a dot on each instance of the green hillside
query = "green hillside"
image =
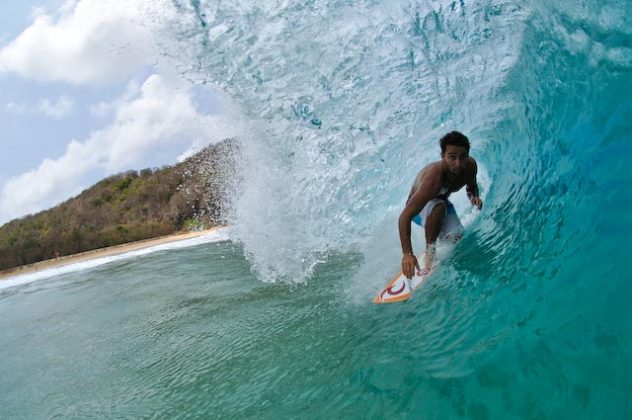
(126, 207)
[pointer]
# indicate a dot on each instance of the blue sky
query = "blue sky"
(86, 92)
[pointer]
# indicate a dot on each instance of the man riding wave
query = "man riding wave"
(428, 203)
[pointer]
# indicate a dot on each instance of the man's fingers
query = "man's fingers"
(408, 266)
(415, 265)
(409, 271)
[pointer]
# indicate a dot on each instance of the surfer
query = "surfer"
(428, 204)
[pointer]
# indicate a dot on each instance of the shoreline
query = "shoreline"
(103, 252)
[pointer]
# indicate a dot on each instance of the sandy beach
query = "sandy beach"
(103, 252)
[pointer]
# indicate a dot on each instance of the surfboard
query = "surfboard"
(400, 288)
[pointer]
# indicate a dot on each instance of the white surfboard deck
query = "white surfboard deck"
(400, 288)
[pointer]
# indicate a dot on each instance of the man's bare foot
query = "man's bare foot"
(423, 272)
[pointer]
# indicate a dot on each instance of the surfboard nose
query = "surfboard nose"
(397, 290)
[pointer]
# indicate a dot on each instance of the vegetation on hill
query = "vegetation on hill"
(126, 207)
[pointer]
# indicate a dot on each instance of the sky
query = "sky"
(86, 93)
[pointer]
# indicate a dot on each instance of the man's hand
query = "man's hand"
(476, 201)
(409, 264)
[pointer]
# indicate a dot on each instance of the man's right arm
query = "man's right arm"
(427, 190)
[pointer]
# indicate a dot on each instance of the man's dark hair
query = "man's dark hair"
(454, 138)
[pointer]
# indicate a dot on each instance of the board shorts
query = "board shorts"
(452, 229)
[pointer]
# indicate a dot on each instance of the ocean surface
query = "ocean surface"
(341, 103)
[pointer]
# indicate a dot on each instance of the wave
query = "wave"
(346, 100)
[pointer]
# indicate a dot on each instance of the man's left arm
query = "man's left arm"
(471, 187)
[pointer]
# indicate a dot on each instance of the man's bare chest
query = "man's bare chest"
(456, 184)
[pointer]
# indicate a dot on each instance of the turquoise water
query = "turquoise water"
(528, 317)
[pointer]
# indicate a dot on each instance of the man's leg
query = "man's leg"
(433, 225)
(452, 228)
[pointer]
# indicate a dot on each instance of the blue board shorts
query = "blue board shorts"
(452, 229)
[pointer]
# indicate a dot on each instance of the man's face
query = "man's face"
(455, 159)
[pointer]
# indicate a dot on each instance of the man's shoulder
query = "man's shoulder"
(472, 169)
(436, 166)
(473, 164)
(434, 171)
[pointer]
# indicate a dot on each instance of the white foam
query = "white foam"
(218, 235)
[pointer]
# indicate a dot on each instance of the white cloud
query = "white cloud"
(105, 109)
(152, 118)
(101, 110)
(57, 108)
(15, 108)
(87, 41)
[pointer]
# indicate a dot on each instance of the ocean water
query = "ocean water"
(342, 102)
